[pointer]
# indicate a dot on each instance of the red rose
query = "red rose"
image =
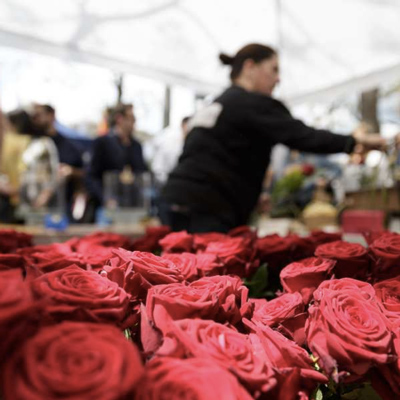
(177, 242)
(305, 276)
(11, 261)
(321, 237)
(186, 262)
(11, 240)
(346, 328)
(16, 309)
(284, 355)
(105, 239)
(154, 269)
(209, 264)
(224, 346)
(388, 293)
(73, 361)
(275, 250)
(46, 258)
(237, 257)
(75, 294)
(202, 240)
(150, 241)
(285, 313)
(193, 378)
(248, 234)
(351, 258)
(222, 298)
(386, 378)
(386, 254)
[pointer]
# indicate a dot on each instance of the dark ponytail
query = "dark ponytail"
(256, 52)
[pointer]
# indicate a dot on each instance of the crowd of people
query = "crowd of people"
(42, 169)
(214, 186)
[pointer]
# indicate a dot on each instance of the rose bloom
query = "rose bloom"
(150, 241)
(11, 240)
(186, 263)
(285, 357)
(346, 328)
(275, 250)
(209, 264)
(73, 361)
(351, 258)
(386, 378)
(75, 294)
(237, 257)
(320, 237)
(388, 293)
(202, 240)
(11, 261)
(386, 253)
(225, 346)
(222, 298)
(154, 269)
(304, 276)
(105, 239)
(16, 310)
(46, 258)
(177, 242)
(194, 378)
(285, 312)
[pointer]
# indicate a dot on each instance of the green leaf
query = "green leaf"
(258, 283)
(127, 334)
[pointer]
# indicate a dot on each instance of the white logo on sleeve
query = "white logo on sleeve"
(207, 117)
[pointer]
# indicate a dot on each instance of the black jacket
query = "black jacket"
(109, 154)
(227, 151)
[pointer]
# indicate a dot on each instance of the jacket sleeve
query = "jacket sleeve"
(278, 126)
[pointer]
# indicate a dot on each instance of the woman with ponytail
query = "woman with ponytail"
(219, 177)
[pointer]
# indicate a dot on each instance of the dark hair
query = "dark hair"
(114, 112)
(256, 52)
(21, 121)
(48, 108)
(185, 120)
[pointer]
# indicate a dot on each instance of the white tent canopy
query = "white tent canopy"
(327, 47)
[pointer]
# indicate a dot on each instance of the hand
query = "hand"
(43, 198)
(64, 171)
(368, 141)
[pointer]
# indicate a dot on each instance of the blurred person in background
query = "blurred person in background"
(220, 174)
(117, 151)
(165, 149)
(13, 146)
(70, 170)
